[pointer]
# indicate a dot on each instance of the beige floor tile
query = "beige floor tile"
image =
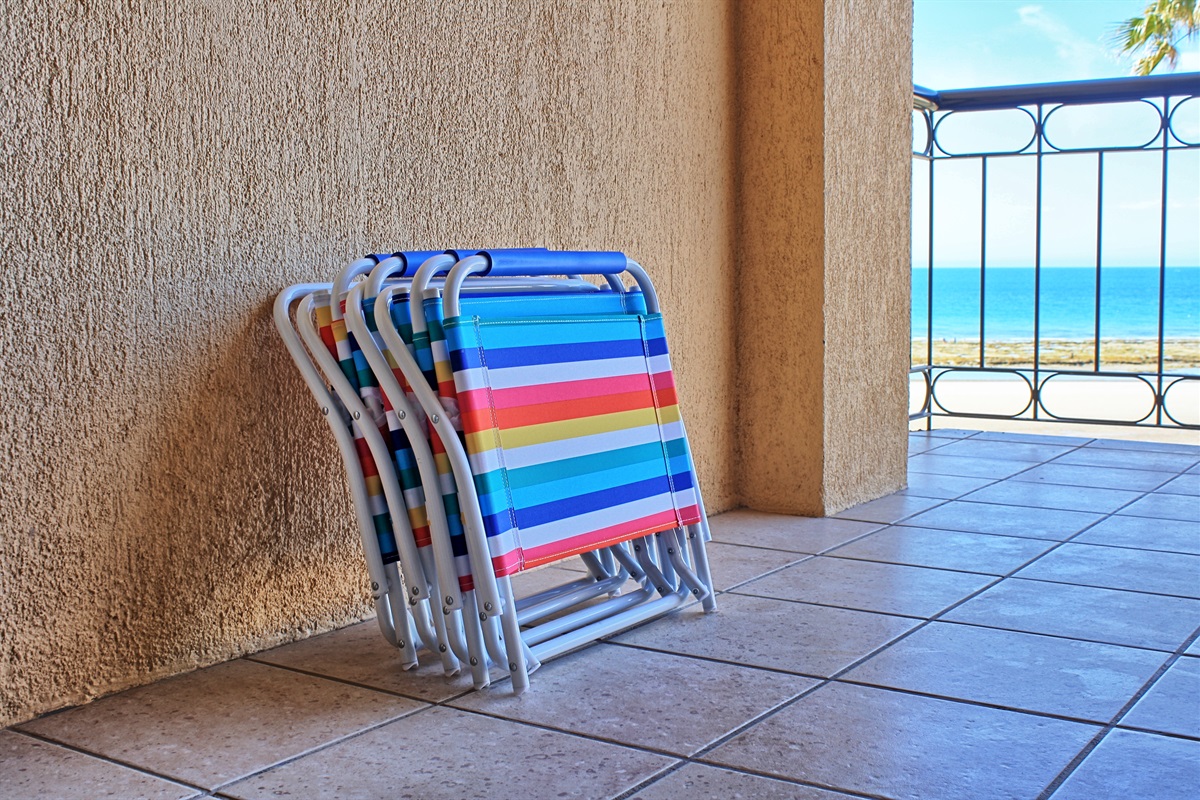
(1005, 520)
(702, 781)
(929, 547)
(891, 744)
(776, 634)
(1136, 619)
(1128, 764)
(732, 564)
(891, 508)
(359, 654)
(1021, 671)
(1119, 568)
(1165, 506)
(779, 532)
(655, 700)
(217, 724)
(943, 487)
(1051, 495)
(31, 769)
(966, 467)
(1173, 703)
(868, 586)
(1143, 533)
(446, 754)
(1007, 450)
(1095, 477)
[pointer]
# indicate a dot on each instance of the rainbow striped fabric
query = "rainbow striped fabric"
(337, 341)
(573, 430)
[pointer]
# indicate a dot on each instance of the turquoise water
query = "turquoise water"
(1128, 303)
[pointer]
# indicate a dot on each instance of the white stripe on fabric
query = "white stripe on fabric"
(542, 374)
(504, 543)
(485, 462)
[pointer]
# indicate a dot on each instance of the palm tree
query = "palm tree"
(1163, 25)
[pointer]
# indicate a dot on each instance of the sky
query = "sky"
(970, 43)
(975, 43)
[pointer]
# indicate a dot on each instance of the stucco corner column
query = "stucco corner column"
(824, 109)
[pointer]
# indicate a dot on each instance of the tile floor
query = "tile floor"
(1020, 622)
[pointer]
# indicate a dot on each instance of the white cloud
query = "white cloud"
(1189, 61)
(1079, 53)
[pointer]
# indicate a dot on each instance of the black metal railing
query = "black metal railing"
(1030, 210)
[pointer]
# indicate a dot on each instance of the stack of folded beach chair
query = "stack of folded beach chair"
(496, 411)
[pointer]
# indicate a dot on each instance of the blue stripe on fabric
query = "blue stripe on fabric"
(502, 358)
(433, 316)
(499, 333)
(497, 524)
(550, 304)
(423, 354)
(591, 501)
(400, 318)
(387, 541)
(569, 486)
(583, 465)
(493, 502)
(368, 307)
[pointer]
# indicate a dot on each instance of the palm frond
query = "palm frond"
(1155, 34)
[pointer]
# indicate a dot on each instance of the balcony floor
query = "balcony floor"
(1021, 622)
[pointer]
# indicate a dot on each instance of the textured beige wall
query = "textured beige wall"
(868, 153)
(169, 497)
(824, 92)
(781, 233)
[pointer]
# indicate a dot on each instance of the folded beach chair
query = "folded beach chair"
(392, 499)
(377, 536)
(452, 561)
(571, 443)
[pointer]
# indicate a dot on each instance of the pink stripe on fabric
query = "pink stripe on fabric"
(567, 390)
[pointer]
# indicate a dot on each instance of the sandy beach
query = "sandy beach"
(1122, 355)
(1079, 397)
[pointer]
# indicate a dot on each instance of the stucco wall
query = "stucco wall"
(170, 498)
(868, 252)
(824, 96)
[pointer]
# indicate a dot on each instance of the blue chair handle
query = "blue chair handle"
(413, 259)
(552, 262)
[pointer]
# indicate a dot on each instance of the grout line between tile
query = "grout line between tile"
(978, 703)
(755, 774)
(1053, 635)
(1082, 755)
(702, 752)
(348, 682)
(318, 748)
(112, 760)
(655, 778)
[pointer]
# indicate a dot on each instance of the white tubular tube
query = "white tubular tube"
(471, 265)
(435, 510)
(475, 644)
(384, 270)
(341, 283)
(488, 594)
(420, 282)
(418, 588)
(345, 441)
(401, 619)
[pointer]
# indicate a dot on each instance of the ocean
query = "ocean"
(1128, 303)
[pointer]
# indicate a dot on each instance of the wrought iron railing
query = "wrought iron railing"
(1077, 227)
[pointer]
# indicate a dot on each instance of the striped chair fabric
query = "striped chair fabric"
(573, 429)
